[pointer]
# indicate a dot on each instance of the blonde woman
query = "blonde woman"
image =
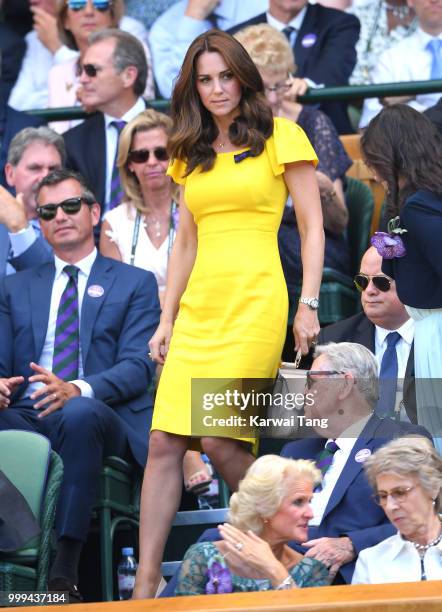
(141, 230)
(271, 508)
(406, 475)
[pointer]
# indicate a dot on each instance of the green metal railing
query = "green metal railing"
(349, 93)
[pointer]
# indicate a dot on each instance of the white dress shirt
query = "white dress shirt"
(295, 23)
(59, 285)
(173, 32)
(396, 560)
(31, 87)
(112, 143)
(346, 442)
(408, 60)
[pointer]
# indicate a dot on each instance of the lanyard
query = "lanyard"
(171, 237)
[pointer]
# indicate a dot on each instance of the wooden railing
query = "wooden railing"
(403, 597)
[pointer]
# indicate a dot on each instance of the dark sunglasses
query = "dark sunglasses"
(71, 206)
(141, 156)
(100, 5)
(310, 373)
(90, 69)
(383, 283)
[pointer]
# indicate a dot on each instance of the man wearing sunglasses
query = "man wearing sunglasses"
(33, 153)
(113, 79)
(383, 314)
(73, 362)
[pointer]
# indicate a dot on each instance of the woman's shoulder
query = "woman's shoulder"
(288, 144)
(122, 213)
(177, 170)
(375, 552)
(422, 200)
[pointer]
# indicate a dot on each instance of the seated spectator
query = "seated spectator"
(90, 402)
(44, 48)
(407, 477)
(273, 56)
(33, 153)
(147, 12)
(113, 83)
(323, 42)
(382, 314)
(416, 58)
(175, 29)
(346, 519)
(383, 24)
(75, 25)
(141, 230)
(271, 507)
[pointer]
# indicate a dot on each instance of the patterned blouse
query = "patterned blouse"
(192, 579)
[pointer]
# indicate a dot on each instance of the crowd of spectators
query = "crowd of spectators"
(88, 220)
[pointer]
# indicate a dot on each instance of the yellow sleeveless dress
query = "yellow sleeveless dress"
(232, 316)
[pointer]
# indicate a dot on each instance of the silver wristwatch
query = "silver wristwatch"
(312, 302)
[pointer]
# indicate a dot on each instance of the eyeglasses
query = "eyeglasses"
(71, 206)
(141, 156)
(100, 5)
(278, 88)
(90, 69)
(310, 373)
(383, 283)
(399, 495)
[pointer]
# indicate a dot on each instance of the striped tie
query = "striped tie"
(67, 330)
(325, 457)
(116, 190)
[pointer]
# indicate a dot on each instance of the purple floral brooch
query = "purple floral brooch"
(220, 578)
(389, 244)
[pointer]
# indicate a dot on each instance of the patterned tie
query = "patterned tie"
(434, 47)
(67, 330)
(289, 33)
(116, 191)
(325, 457)
(388, 377)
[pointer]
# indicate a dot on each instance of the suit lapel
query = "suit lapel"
(40, 288)
(4, 249)
(96, 150)
(365, 333)
(352, 467)
(308, 27)
(97, 290)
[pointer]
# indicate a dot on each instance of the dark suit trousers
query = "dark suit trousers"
(83, 432)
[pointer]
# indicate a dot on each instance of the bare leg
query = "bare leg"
(230, 459)
(192, 464)
(160, 498)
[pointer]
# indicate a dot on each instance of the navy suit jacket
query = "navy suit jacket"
(37, 254)
(114, 332)
(360, 329)
(418, 275)
(332, 57)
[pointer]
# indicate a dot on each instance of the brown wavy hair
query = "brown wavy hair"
(195, 129)
(404, 148)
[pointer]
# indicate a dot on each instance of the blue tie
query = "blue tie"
(388, 377)
(290, 33)
(434, 47)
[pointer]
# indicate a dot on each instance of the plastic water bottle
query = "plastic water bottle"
(126, 571)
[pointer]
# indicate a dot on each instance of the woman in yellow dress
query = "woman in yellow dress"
(225, 309)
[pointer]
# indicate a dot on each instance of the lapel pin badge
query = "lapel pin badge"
(309, 40)
(95, 291)
(362, 455)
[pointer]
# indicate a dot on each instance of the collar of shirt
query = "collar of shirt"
(406, 332)
(296, 22)
(84, 265)
(423, 37)
(348, 437)
(136, 109)
(398, 543)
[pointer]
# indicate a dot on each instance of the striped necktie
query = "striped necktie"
(67, 330)
(325, 457)
(116, 190)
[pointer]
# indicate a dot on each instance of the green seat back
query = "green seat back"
(360, 204)
(24, 459)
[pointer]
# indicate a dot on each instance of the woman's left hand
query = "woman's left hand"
(251, 552)
(305, 328)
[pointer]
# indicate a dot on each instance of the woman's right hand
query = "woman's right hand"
(159, 343)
